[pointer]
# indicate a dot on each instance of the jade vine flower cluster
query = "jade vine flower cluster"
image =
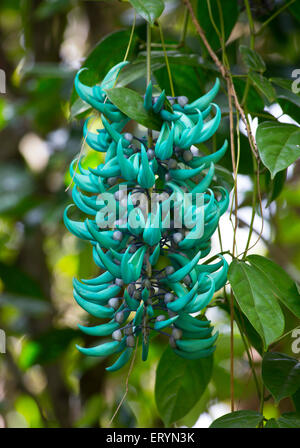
(151, 280)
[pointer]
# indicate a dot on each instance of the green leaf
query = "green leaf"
(187, 79)
(131, 104)
(136, 70)
(150, 10)
(238, 419)
(282, 285)
(252, 59)
(229, 16)
(179, 384)
(253, 336)
(107, 53)
(278, 145)
(257, 301)
(263, 85)
(289, 420)
(280, 374)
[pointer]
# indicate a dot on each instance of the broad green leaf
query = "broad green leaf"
(136, 70)
(150, 10)
(289, 420)
(179, 57)
(107, 53)
(278, 145)
(238, 419)
(187, 80)
(252, 59)
(263, 85)
(191, 417)
(280, 374)
(179, 384)
(253, 336)
(256, 300)
(228, 17)
(282, 285)
(131, 104)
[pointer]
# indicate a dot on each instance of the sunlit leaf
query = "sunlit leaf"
(238, 419)
(278, 145)
(256, 300)
(282, 285)
(148, 9)
(179, 384)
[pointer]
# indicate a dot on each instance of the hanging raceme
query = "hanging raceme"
(151, 279)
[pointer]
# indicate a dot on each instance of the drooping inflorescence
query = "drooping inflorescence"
(151, 215)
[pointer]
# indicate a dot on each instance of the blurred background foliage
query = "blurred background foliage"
(44, 381)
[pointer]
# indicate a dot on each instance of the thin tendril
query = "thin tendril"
(166, 59)
(126, 384)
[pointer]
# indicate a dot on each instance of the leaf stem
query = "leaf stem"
(166, 59)
(130, 38)
(253, 210)
(185, 27)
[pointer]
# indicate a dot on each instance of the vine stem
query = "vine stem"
(252, 46)
(185, 27)
(150, 139)
(166, 59)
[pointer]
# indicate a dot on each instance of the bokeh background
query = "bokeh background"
(44, 381)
